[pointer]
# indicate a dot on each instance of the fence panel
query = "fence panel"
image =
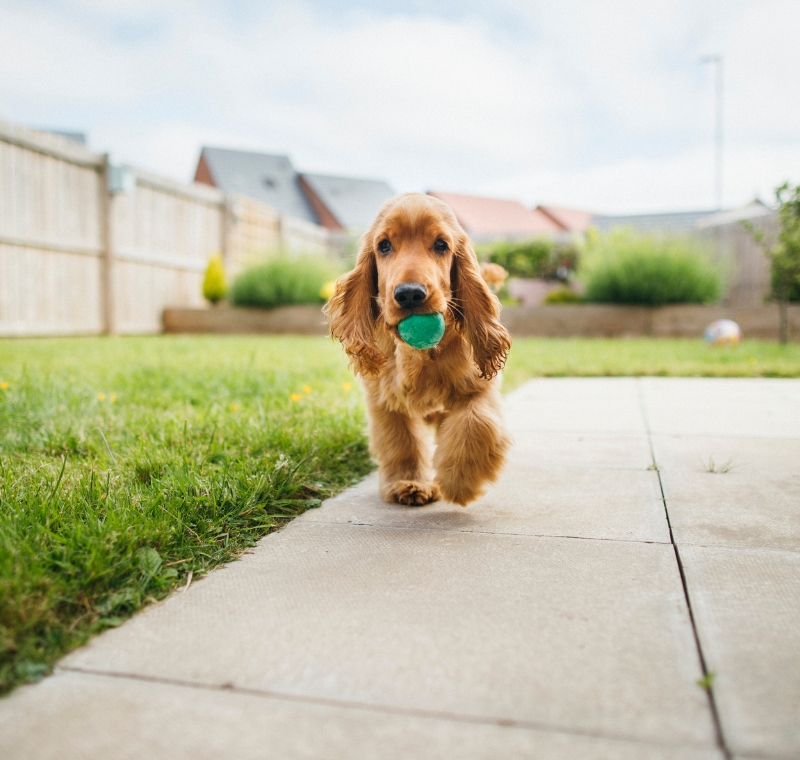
(163, 234)
(50, 235)
(76, 260)
(746, 270)
(254, 233)
(301, 237)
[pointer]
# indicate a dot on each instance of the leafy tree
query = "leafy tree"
(784, 252)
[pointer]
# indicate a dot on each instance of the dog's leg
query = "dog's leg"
(472, 444)
(401, 445)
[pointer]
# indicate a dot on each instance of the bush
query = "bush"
(283, 281)
(627, 268)
(562, 295)
(538, 257)
(214, 285)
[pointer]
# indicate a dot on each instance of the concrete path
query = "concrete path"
(566, 615)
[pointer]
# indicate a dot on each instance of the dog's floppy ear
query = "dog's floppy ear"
(477, 310)
(353, 313)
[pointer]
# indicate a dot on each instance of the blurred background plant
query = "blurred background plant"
(562, 296)
(283, 281)
(624, 267)
(783, 252)
(215, 285)
(541, 258)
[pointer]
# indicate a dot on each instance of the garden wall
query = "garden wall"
(87, 247)
(563, 321)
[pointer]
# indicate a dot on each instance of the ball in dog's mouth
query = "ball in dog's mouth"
(422, 330)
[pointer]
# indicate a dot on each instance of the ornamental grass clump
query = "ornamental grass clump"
(283, 281)
(623, 267)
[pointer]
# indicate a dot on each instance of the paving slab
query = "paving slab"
(747, 607)
(566, 634)
(723, 406)
(577, 405)
(91, 717)
(588, 503)
(580, 450)
(734, 509)
(685, 453)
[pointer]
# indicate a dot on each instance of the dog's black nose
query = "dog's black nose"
(410, 294)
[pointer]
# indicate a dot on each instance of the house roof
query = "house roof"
(353, 202)
(570, 219)
(681, 221)
(753, 210)
(492, 217)
(265, 177)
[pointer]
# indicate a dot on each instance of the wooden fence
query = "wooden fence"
(76, 258)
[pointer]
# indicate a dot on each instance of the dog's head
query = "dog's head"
(416, 259)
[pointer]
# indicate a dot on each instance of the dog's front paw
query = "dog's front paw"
(461, 492)
(411, 493)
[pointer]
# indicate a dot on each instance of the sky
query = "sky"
(601, 106)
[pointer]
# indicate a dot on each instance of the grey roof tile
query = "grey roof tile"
(354, 202)
(267, 178)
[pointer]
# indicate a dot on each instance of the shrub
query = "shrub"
(214, 285)
(627, 268)
(538, 257)
(283, 281)
(562, 295)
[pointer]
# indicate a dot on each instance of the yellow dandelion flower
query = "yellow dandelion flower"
(4, 386)
(327, 290)
(752, 361)
(101, 396)
(296, 396)
(306, 389)
(113, 398)
(347, 386)
(234, 407)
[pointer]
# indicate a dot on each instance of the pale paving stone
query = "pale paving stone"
(735, 509)
(747, 608)
(576, 405)
(576, 450)
(577, 635)
(611, 504)
(723, 406)
(738, 455)
(91, 717)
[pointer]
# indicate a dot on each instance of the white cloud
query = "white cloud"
(599, 105)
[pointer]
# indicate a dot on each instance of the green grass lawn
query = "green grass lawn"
(130, 466)
(549, 357)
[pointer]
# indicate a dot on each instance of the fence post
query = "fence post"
(107, 261)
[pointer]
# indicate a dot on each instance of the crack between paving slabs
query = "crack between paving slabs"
(709, 690)
(420, 529)
(383, 709)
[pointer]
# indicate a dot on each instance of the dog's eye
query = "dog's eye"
(385, 247)
(440, 246)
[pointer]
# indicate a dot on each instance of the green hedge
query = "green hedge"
(283, 281)
(627, 268)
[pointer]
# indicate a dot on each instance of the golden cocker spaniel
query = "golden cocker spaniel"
(416, 259)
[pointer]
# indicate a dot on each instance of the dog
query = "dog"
(416, 259)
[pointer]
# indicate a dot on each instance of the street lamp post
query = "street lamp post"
(717, 61)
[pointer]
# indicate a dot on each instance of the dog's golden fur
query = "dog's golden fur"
(453, 387)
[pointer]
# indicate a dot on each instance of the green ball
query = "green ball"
(422, 330)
